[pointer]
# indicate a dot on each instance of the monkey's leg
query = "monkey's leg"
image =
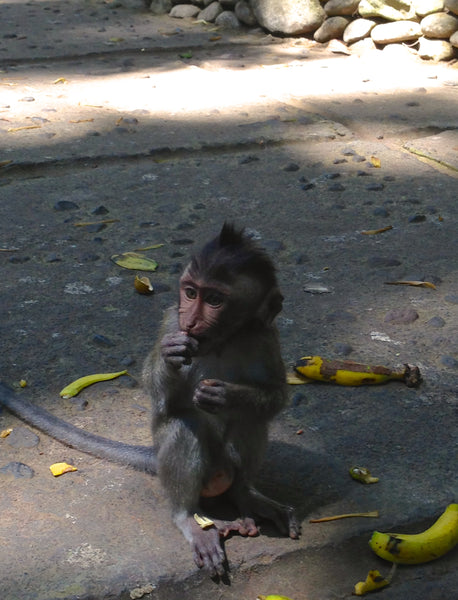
(254, 504)
(183, 462)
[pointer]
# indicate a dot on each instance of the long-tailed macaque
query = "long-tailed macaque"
(216, 379)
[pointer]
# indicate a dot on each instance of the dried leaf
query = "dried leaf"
(214, 38)
(60, 80)
(14, 129)
(153, 247)
(373, 513)
(426, 284)
(61, 468)
(134, 261)
(82, 121)
(4, 163)
(116, 40)
(5, 433)
(87, 223)
(376, 231)
(376, 162)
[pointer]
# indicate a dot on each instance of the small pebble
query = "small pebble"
(248, 159)
(95, 227)
(375, 187)
(417, 219)
(451, 298)
(377, 262)
(17, 469)
(101, 340)
(380, 211)
(100, 210)
(436, 322)
(401, 316)
(291, 167)
(62, 205)
(21, 437)
(307, 186)
(343, 349)
(18, 260)
(336, 187)
(449, 361)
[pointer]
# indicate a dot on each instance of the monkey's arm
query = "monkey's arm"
(215, 396)
(142, 458)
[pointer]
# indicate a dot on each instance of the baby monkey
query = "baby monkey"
(216, 379)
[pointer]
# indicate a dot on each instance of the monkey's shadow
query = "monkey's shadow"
(294, 476)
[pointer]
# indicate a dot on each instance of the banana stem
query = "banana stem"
(373, 513)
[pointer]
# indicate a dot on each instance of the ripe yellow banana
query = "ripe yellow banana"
(436, 541)
(348, 372)
(74, 388)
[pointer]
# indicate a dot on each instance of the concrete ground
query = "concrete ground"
(165, 129)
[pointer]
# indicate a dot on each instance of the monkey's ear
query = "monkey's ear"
(270, 306)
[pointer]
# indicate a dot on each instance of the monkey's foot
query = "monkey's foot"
(245, 527)
(250, 501)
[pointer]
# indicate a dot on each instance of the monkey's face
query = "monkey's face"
(212, 310)
(202, 306)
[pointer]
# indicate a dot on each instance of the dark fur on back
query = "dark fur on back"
(231, 253)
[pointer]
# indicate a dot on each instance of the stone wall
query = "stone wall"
(430, 27)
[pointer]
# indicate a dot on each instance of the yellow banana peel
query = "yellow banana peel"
(362, 474)
(374, 581)
(348, 372)
(411, 549)
(74, 388)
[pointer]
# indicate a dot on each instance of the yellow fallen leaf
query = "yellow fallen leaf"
(427, 284)
(23, 383)
(5, 433)
(60, 80)
(61, 468)
(376, 162)
(82, 121)
(4, 163)
(376, 231)
(373, 513)
(203, 522)
(132, 260)
(116, 39)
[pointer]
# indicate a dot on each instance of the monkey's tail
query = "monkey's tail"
(142, 458)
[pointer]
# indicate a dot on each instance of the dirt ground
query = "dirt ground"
(166, 134)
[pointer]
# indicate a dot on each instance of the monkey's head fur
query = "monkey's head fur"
(233, 253)
(233, 261)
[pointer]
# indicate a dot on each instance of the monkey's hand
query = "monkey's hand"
(212, 395)
(178, 348)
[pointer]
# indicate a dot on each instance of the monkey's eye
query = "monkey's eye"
(191, 293)
(214, 299)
